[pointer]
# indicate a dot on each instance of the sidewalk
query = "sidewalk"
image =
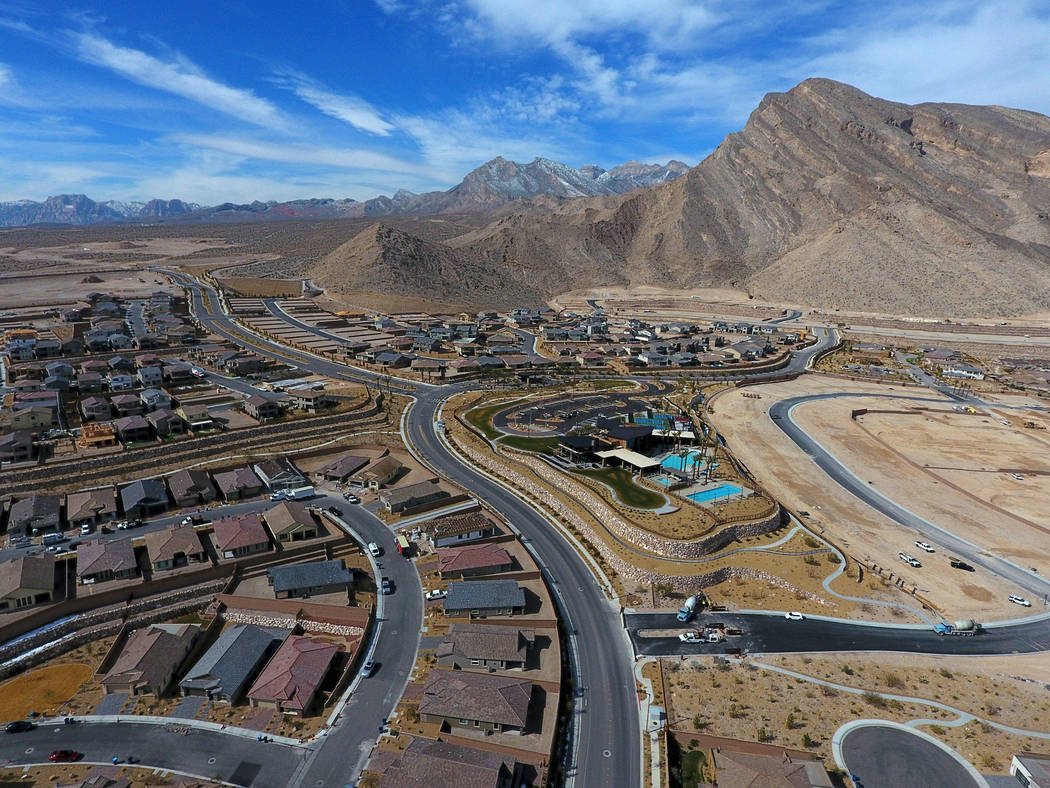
(134, 719)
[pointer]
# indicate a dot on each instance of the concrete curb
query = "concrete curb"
(135, 719)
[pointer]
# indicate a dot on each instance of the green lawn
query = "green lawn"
(627, 491)
(545, 445)
(482, 417)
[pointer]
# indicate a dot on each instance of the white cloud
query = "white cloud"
(347, 108)
(344, 158)
(991, 53)
(179, 77)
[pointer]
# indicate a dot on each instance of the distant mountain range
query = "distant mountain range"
(487, 188)
(827, 197)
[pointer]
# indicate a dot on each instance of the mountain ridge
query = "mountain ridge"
(484, 189)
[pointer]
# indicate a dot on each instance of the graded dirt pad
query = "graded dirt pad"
(950, 467)
(20, 290)
(41, 690)
(789, 475)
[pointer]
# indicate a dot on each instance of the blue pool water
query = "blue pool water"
(722, 491)
(684, 464)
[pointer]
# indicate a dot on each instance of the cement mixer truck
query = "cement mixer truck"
(967, 627)
(688, 610)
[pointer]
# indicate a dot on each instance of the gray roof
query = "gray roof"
(147, 491)
(309, 575)
(35, 507)
(475, 594)
(228, 665)
(427, 489)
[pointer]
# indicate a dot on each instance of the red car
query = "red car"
(64, 756)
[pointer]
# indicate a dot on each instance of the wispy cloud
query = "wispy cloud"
(179, 77)
(357, 159)
(345, 107)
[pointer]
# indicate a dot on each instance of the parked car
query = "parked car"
(794, 615)
(124, 525)
(373, 548)
(368, 668)
(86, 528)
(351, 498)
(1018, 476)
(64, 756)
(335, 510)
(925, 546)
(385, 585)
(437, 593)
(690, 637)
(1019, 600)
(956, 564)
(19, 726)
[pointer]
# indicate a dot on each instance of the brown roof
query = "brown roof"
(426, 763)
(486, 641)
(293, 674)
(345, 465)
(114, 556)
(241, 530)
(165, 545)
(748, 770)
(454, 524)
(87, 504)
(476, 556)
(380, 469)
(237, 479)
(32, 572)
(151, 655)
(477, 696)
(287, 516)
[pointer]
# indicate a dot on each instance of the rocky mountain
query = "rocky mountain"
(79, 209)
(384, 259)
(829, 197)
(487, 188)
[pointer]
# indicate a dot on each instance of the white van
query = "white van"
(86, 528)
(49, 539)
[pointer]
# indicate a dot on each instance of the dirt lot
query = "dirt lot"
(75, 774)
(57, 289)
(792, 477)
(41, 689)
(958, 471)
(750, 702)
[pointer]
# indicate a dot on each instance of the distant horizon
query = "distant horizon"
(364, 98)
(303, 199)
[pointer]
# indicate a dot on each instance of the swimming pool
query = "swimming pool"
(722, 491)
(684, 464)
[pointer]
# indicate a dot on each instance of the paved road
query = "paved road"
(781, 412)
(343, 752)
(233, 759)
(772, 633)
(607, 710)
(885, 757)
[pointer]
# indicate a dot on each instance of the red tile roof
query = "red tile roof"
(292, 676)
(467, 557)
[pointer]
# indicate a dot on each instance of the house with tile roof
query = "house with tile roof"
(240, 535)
(98, 562)
(91, 507)
(150, 659)
(238, 484)
(483, 598)
(473, 646)
(291, 679)
(178, 545)
(191, 488)
(425, 763)
(292, 521)
(27, 580)
(457, 699)
(473, 559)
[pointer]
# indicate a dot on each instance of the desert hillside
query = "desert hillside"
(828, 197)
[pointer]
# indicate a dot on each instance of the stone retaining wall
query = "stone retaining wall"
(291, 622)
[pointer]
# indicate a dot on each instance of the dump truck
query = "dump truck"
(966, 627)
(688, 610)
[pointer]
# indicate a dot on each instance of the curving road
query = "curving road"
(607, 743)
(782, 414)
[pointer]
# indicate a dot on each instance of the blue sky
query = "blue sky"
(353, 98)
